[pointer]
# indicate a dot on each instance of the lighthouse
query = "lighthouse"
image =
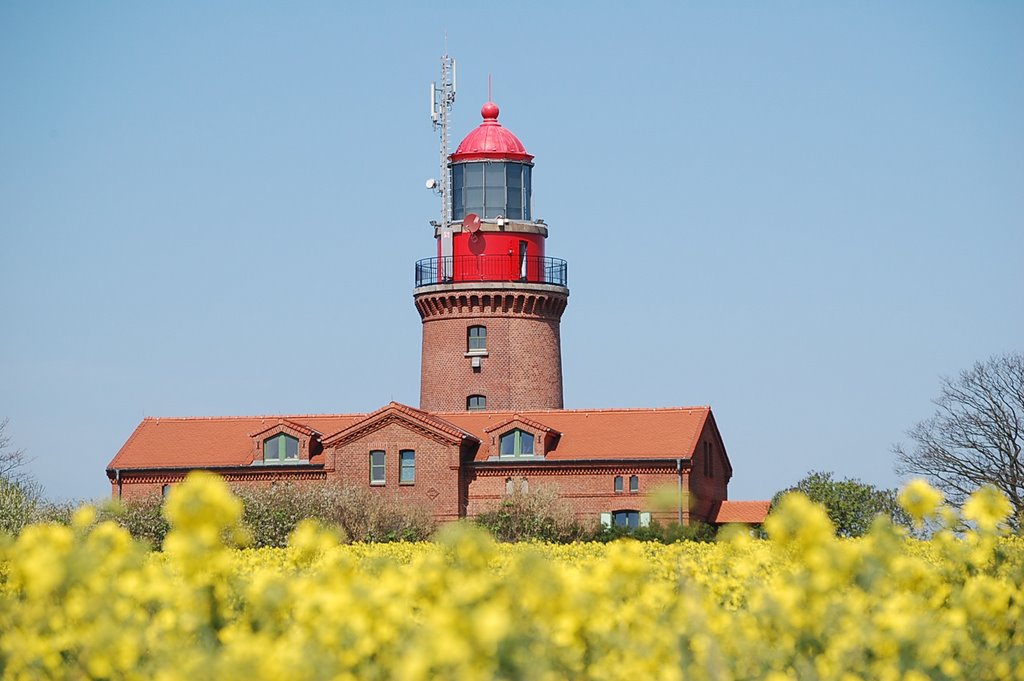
(491, 299)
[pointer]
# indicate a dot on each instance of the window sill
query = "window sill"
(285, 462)
(407, 484)
(476, 353)
(378, 483)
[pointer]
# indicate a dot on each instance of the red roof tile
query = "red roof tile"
(213, 441)
(595, 434)
(752, 512)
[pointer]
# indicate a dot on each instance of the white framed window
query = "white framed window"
(515, 444)
(378, 469)
(281, 447)
(406, 467)
(476, 339)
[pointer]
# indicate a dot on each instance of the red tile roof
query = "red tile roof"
(598, 434)
(214, 441)
(752, 512)
(595, 434)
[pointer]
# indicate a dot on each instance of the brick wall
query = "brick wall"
(436, 487)
(588, 490)
(522, 368)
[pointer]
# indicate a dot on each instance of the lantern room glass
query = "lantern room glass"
(491, 189)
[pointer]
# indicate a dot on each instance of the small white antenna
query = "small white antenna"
(442, 97)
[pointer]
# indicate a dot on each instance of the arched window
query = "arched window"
(280, 447)
(476, 402)
(516, 443)
(634, 483)
(476, 339)
(165, 490)
(618, 484)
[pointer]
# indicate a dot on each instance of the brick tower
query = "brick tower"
(491, 301)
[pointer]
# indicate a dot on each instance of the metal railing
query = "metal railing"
(470, 268)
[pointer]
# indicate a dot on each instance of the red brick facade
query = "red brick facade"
(521, 367)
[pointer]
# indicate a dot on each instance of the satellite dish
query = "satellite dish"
(471, 223)
(431, 183)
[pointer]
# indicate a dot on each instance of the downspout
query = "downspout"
(679, 490)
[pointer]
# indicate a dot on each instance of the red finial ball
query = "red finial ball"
(489, 111)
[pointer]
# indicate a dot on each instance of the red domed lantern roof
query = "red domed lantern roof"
(491, 141)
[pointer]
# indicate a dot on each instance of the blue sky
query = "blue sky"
(802, 214)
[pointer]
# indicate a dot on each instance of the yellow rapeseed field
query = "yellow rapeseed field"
(87, 602)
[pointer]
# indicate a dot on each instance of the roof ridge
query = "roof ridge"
(703, 407)
(251, 417)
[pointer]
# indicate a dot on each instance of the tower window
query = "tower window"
(280, 447)
(407, 467)
(516, 443)
(476, 339)
(634, 483)
(476, 402)
(377, 468)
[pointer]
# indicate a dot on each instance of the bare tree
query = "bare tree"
(976, 435)
(11, 460)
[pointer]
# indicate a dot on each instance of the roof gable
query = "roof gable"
(414, 419)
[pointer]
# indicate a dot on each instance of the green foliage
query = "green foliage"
(143, 518)
(20, 500)
(536, 515)
(852, 505)
(668, 533)
(272, 513)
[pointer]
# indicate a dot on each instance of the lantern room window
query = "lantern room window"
(280, 447)
(491, 189)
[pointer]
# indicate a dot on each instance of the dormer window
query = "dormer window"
(280, 447)
(516, 443)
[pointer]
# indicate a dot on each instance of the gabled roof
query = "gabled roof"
(403, 412)
(210, 441)
(288, 423)
(749, 512)
(598, 434)
(585, 434)
(529, 423)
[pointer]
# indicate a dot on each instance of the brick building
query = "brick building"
(491, 417)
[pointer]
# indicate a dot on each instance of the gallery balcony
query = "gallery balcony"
(491, 268)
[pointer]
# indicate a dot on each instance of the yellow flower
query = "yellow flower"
(920, 500)
(988, 508)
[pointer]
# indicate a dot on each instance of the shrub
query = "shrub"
(143, 518)
(20, 500)
(663, 534)
(538, 515)
(272, 513)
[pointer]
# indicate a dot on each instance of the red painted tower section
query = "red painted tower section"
(491, 300)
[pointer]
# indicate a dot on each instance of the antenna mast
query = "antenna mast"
(441, 100)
